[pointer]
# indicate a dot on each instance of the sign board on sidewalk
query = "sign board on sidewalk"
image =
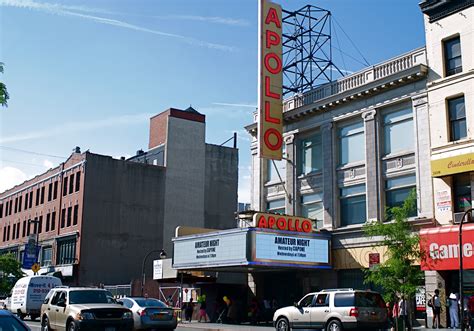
(158, 269)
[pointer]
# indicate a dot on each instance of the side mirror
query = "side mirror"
(296, 304)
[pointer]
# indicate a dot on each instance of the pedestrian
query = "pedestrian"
(202, 311)
(470, 309)
(389, 315)
(453, 310)
(188, 311)
(403, 312)
(435, 304)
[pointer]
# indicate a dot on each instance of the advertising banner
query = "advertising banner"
(30, 255)
(452, 165)
(441, 247)
(270, 82)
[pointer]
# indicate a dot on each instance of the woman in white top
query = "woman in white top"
(453, 310)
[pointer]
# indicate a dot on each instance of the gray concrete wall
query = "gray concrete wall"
(122, 220)
(185, 161)
(220, 200)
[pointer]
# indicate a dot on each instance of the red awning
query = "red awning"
(440, 247)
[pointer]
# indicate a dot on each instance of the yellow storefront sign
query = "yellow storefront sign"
(452, 165)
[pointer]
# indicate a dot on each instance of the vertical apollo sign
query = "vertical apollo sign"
(270, 128)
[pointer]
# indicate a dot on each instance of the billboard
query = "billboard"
(270, 81)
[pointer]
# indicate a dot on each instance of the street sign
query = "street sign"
(35, 267)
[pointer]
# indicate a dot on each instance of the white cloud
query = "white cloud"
(10, 176)
(73, 127)
(48, 164)
(249, 105)
(74, 11)
(209, 19)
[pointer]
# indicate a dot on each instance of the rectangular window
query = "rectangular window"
(10, 205)
(351, 143)
(48, 220)
(65, 186)
(23, 232)
(276, 206)
(16, 205)
(398, 131)
(31, 199)
(46, 256)
(457, 118)
(26, 201)
(37, 197)
(4, 233)
(53, 221)
(17, 230)
(452, 56)
(20, 202)
(353, 205)
(280, 165)
(397, 191)
(55, 190)
(78, 181)
(35, 226)
(42, 195)
(312, 208)
(76, 214)
(28, 228)
(63, 217)
(462, 192)
(14, 231)
(1, 210)
(311, 154)
(40, 224)
(50, 191)
(66, 253)
(69, 215)
(8, 232)
(71, 184)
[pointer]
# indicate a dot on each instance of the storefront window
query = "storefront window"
(280, 165)
(397, 191)
(46, 256)
(398, 131)
(353, 205)
(462, 192)
(276, 206)
(66, 251)
(351, 143)
(312, 208)
(311, 154)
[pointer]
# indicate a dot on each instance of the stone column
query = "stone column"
(290, 180)
(433, 281)
(424, 182)
(329, 183)
(371, 165)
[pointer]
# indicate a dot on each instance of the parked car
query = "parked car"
(83, 308)
(9, 322)
(150, 313)
(334, 310)
(28, 295)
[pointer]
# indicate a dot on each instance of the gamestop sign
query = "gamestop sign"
(441, 247)
(270, 126)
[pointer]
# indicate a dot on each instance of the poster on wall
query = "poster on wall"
(443, 200)
(420, 298)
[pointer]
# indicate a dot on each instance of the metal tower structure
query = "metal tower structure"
(307, 51)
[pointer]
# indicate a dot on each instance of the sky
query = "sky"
(92, 73)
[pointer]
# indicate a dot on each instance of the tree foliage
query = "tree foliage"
(10, 271)
(398, 275)
(3, 91)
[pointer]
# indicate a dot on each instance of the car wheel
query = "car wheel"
(334, 325)
(71, 326)
(45, 324)
(282, 324)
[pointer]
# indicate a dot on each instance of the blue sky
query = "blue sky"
(91, 73)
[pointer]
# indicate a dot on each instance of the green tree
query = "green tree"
(398, 275)
(3, 91)
(10, 271)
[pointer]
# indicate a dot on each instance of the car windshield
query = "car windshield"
(369, 300)
(150, 303)
(10, 324)
(92, 296)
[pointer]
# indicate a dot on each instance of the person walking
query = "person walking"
(403, 312)
(435, 304)
(188, 311)
(202, 311)
(453, 310)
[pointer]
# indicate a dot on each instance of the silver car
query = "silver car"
(149, 313)
(334, 310)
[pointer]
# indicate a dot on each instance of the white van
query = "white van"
(28, 295)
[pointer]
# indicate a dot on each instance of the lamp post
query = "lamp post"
(36, 223)
(461, 251)
(162, 256)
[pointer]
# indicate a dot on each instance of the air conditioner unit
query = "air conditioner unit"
(458, 217)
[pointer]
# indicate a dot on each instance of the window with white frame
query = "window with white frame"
(280, 165)
(452, 56)
(351, 143)
(397, 190)
(276, 206)
(312, 208)
(457, 118)
(398, 131)
(353, 205)
(46, 256)
(311, 154)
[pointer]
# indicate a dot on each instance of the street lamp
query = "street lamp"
(461, 251)
(162, 256)
(36, 223)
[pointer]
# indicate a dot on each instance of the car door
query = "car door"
(301, 315)
(51, 310)
(61, 316)
(320, 310)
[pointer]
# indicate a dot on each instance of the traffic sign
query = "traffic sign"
(35, 267)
